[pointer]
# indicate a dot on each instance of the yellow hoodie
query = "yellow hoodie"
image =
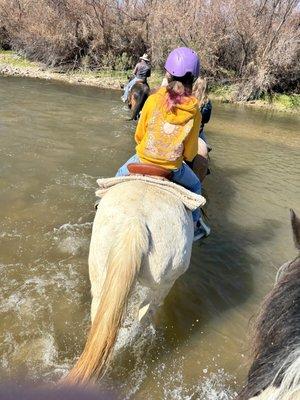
(167, 138)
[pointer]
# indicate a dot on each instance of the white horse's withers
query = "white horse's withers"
(141, 236)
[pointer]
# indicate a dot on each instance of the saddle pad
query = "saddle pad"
(189, 199)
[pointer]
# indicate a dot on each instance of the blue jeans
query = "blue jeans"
(202, 135)
(184, 176)
(128, 88)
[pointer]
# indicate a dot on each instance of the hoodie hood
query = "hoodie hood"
(183, 112)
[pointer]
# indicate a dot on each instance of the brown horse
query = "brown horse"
(275, 370)
(137, 97)
(200, 167)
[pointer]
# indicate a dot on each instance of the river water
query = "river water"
(55, 141)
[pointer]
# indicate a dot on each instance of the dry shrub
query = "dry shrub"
(254, 43)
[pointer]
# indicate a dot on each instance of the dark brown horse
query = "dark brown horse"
(275, 370)
(137, 97)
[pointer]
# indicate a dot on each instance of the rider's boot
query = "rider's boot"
(201, 230)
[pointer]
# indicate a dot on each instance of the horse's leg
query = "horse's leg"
(200, 164)
(202, 148)
(133, 105)
(154, 300)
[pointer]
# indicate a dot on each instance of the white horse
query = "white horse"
(275, 371)
(142, 237)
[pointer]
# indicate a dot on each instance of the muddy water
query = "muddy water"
(55, 140)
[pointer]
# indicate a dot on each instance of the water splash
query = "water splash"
(83, 180)
(72, 238)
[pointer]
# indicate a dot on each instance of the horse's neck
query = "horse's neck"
(277, 342)
(272, 393)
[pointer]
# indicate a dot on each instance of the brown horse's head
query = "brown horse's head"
(276, 348)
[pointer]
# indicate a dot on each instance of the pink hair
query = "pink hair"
(177, 93)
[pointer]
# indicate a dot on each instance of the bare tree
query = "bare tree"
(254, 43)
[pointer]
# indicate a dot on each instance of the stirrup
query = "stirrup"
(149, 169)
(202, 230)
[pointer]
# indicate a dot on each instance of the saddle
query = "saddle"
(149, 169)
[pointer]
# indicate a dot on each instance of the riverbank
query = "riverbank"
(279, 102)
(12, 64)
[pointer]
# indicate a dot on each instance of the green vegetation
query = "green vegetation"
(281, 102)
(121, 75)
(251, 44)
(224, 93)
(13, 64)
(287, 101)
(13, 59)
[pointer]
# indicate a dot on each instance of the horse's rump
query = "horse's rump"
(137, 97)
(143, 235)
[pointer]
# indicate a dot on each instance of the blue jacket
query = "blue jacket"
(206, 112)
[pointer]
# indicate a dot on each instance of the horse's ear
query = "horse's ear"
(296, 228)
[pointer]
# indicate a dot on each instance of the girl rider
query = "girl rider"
(168, 129)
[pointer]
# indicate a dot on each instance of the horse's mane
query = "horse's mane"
(276, 347)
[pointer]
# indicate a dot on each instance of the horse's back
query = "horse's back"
(133, 197)
(169, 225)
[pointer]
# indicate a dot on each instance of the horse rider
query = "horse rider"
(168, 129)
(141, 72)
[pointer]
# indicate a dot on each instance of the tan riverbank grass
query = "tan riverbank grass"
(13, 64)
(279, 102)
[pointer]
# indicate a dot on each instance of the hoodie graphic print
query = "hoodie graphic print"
(167, 138)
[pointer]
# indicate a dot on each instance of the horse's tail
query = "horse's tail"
(123, 264)
(140, 101)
